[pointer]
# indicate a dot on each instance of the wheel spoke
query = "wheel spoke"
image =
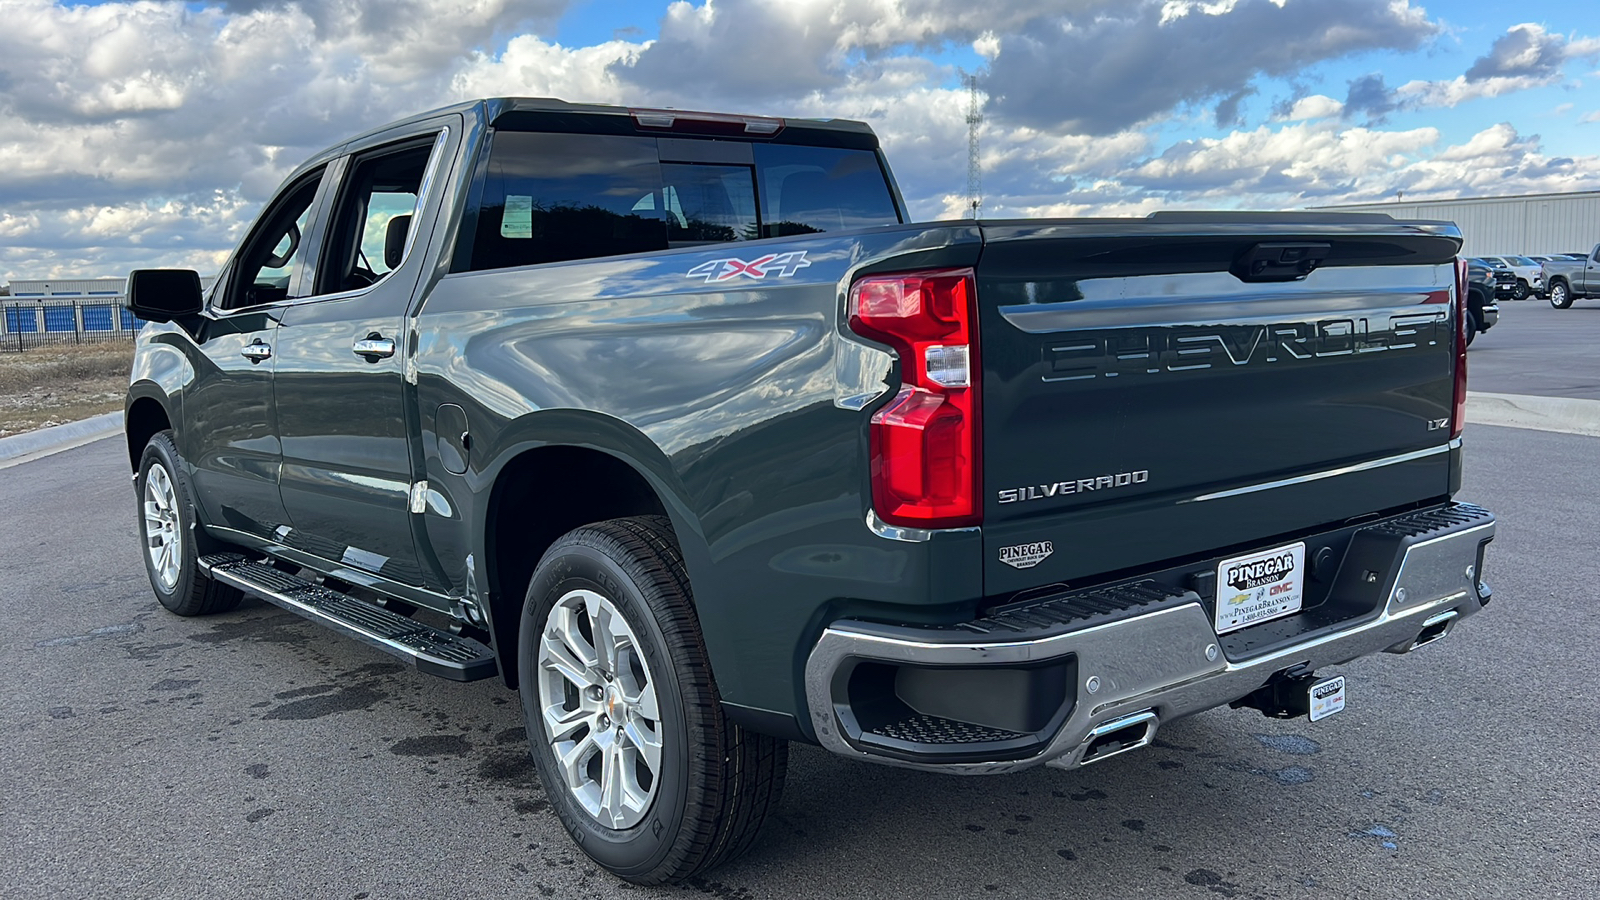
(557, 656)
(563, 724)
(566, 628)
(574, 760)
(647, 743)
(166, 566)
(611, 783)
(601, 625)
(643, 702)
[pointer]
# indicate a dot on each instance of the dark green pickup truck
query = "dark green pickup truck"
(676, 424)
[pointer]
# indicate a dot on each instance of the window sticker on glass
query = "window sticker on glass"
(517, 221)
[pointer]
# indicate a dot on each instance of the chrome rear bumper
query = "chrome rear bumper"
(1143, 669)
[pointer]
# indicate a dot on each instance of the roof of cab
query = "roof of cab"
(550, 114)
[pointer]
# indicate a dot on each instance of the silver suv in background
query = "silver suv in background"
(1530, 279)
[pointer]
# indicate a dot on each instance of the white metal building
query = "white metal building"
(1496, 226)
(80, 287)
(64, 287)
(61, 308)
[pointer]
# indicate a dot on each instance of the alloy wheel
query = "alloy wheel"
(163, 543)
(598, 705)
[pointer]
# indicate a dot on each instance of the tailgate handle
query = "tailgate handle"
(1279, 261)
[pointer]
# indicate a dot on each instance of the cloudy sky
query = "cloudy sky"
(150, 133)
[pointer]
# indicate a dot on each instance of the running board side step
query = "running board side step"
(433, 651)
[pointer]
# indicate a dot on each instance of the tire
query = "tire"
(1472, 327)
(169, 533)
(1560, 295)
(1521, 290)
(713, 783)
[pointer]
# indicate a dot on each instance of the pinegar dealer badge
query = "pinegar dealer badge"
(1026, 556)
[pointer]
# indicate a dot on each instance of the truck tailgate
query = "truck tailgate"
(1143, 403)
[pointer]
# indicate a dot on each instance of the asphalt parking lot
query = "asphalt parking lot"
(1539, 350)
(256, 755)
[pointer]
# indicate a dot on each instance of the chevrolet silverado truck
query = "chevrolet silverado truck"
(1570, 279)
(676, 424)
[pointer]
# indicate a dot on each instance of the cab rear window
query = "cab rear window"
(545, 197)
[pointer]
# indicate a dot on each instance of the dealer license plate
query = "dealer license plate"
(1325, 697)
(1260, 587)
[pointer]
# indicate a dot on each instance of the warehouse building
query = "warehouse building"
(66, 309)
(1498, 226)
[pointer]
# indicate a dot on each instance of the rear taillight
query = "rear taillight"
(1458, 418)
(925, 443)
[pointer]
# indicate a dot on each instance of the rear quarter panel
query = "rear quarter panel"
(740, 400)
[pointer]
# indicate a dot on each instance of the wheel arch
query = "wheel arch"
(161, 371)
(145, 417)
(543, 489)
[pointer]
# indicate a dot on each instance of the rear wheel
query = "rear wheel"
(628, 734)
(1560, 295)
(172, 541)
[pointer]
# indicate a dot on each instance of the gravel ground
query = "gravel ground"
(56, 384)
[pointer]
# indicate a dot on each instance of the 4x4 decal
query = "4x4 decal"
(783, 265)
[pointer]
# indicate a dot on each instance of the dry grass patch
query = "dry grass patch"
(53, 385)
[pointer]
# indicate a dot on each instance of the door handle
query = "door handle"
(256, 352)
(373, 347)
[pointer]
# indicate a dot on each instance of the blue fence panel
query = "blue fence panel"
(19, 319)
(130, 322)
(59, 318)
(97, 318)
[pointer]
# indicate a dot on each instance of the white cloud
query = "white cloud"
(142, 133)
(1301, 160)
(1316, 106)
(1122, 68)
(530, 67)
(1590, 116)
(136, 105)
(1526, 56)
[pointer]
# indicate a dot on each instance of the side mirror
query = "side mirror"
(161, 295)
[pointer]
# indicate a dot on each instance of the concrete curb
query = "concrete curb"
(1563, 414)
(31, 445)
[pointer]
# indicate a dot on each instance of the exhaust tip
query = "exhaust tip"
(1118, 736)
(1436, 627)
(1433, 628)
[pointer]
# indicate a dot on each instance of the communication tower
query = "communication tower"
(974, 170)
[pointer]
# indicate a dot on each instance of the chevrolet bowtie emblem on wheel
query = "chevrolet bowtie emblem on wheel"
(783, 265)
